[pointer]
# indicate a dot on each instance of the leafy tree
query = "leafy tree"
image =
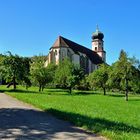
(114, 79)
(2, 70)
(123, 72)
(68, 74)
(83, 83)
(135, 80)
(63, 71)
(26, 72)
(99, 77)
(14, 69)
(40, 74)
(135, 83)
(77, 74)
(52, 69)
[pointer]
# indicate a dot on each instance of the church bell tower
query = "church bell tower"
(98, 44)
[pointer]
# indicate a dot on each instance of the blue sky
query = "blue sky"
(30, 27)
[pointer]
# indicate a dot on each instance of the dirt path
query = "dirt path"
(20, 121)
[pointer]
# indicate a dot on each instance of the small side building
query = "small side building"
(87, 59)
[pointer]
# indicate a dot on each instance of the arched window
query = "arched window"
(55, 52)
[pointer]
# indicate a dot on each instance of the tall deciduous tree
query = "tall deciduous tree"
(63, 71)
(39, 73)
(123, 71)
(99, 77)
(15, 69)
(68, 74)
(114, 79)
(77, 74)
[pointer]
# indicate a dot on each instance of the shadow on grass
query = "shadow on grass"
(83, 92)
(130, 98)
(96, 124)
(54, 92)
(18, 90)
(116, 95)
(74, 93)
(133, 100)
(66, 92)
(57, 90)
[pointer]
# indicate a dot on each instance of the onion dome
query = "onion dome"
(97, 34)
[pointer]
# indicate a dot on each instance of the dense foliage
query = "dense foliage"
(99, 77)
(15, 69)
(39, 73)
(68, 75)
(123, 75)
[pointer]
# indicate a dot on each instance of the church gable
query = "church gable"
(88, 59)
(59, 43)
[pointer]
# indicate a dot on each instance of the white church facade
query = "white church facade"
(87, 59)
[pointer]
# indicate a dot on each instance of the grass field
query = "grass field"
(110, 115)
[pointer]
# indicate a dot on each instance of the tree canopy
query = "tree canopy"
(15, 69)
(68, 74)
(123, 75)
(40, 74)
(123, 72)
(99, 77)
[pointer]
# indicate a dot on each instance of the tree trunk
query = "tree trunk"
(104, 91)
(126, 90)
(42, 88)
(26, 87)
(70, 89)
(39, 88)
(14, 83)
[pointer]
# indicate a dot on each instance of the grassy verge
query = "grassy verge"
(110, 115)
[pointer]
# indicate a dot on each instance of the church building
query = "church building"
(87, 59)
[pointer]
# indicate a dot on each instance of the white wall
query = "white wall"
(56, 55)
(61, 53)
(102, 55)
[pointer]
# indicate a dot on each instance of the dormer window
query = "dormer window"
(95, 48)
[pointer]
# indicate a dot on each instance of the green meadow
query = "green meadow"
(110, 116)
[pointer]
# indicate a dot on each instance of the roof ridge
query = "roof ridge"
(61, 37)
(78, 44)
